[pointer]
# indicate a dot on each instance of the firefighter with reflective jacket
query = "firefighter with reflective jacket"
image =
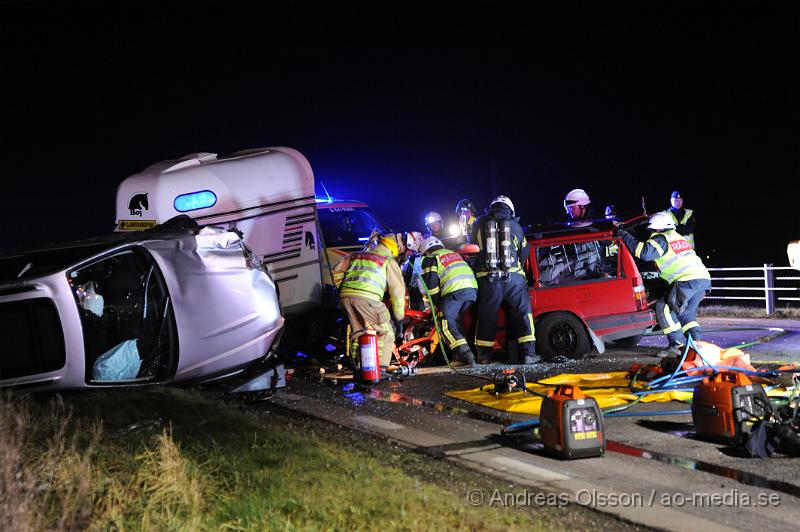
(465, 210)
(501, 279)
(363, 278)
(452, 288)
(682, 269)
(684, 219)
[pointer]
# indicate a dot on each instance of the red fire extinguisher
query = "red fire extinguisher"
(368, 349)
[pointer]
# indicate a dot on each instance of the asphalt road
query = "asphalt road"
(654, 473)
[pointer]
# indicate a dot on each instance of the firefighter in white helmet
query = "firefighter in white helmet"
(590, 260)
(412, 241)
(501, 279)
(577, 204)
(434, 225)
(684, 272)
(452, 288)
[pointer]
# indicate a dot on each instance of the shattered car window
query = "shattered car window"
(572, 263)
(33, 341)
(125, 309)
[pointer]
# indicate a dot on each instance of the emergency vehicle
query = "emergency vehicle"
(268, 195)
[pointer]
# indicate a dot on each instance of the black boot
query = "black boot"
(530, 355)
(464, 355)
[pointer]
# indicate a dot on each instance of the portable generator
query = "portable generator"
(571, 424)
(725, 406)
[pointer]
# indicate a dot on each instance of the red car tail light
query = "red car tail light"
(639, 293)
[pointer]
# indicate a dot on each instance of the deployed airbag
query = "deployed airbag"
(120, 363)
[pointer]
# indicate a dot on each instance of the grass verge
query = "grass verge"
(734, 311)
(169, 459)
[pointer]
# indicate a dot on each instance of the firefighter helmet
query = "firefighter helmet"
(429, 243)
(432, 218)
(390, 242)
(505, 201)
(465, 204)
(413, 239)
(576, 196)
(661, 221)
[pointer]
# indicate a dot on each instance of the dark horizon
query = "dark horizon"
(410, 110)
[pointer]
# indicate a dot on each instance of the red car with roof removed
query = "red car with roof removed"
(585, 290)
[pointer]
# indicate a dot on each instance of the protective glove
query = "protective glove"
(397, 325)
(619, 232)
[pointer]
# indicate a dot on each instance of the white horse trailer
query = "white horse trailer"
(267, 194)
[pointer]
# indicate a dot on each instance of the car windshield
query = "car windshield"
(31, 264)
(348, 226)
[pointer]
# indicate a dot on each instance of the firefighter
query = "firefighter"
(684, 272)
(434, 224)
(684, 219)
(452, 289)
(410, 276)
(363, 278)
(465, 210)
(578, 207)
(589, 260)
(501, 279)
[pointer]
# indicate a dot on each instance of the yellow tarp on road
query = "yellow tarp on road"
(608, 389)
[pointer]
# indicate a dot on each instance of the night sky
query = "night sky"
(411, 109)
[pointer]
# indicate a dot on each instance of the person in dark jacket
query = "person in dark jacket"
(501, 279)
(452, 288)
(684, 219)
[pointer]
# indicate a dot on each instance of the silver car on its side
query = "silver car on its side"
(173, 304)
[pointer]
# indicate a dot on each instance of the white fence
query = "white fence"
(766, 284)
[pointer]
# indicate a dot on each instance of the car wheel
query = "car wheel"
(561, 334)
(630, 341)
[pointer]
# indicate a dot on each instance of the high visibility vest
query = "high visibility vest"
(678, 262)
(366, 276)
(454, 273)
(687, 213)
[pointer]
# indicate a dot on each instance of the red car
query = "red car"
(585, 289)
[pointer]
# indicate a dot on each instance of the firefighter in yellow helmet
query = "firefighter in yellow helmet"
(363, 278)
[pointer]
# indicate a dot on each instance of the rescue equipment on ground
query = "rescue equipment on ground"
(572, 424)
(370, 369)
(509, 380)
(725, 406)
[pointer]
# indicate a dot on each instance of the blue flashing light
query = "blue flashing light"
(363, 239)
(330, 347)
(193, 201)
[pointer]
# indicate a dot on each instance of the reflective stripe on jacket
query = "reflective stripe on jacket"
(453, 272)
(678, 262)
(687, 214)
(366, 276)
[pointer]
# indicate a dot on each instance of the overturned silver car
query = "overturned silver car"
(173, 304)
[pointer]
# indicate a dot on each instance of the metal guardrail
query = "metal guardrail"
(763, 279)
